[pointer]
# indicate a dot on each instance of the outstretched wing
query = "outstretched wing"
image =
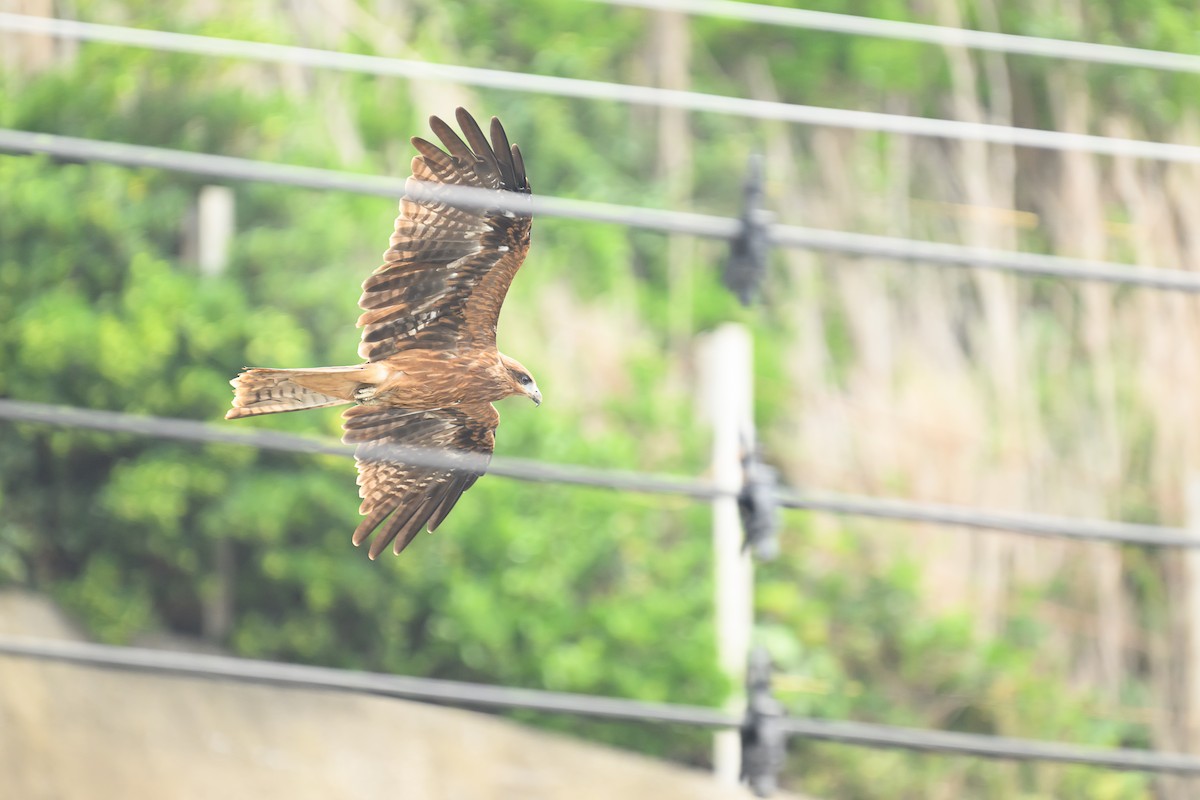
(448, 269)
(400, 498)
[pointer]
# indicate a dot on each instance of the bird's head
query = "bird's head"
(522, 381)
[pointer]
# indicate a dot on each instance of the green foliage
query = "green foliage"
(854, 644)
(527, 585)
(562, 588)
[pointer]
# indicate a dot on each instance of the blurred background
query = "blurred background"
(871, 376)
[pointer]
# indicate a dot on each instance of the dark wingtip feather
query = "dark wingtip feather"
(477, 140)
(450, 495)
(519, 166)
(503, 153)
(367, 525)
(404, 525)
(410, 531)
(454, 144)
(376, 548)
(465, 120)
(430, 150)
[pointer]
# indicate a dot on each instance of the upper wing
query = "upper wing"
(400, 498)
(448, 269)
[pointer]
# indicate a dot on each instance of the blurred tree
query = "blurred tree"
(576, 589)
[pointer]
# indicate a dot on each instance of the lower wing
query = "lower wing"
(447, 450)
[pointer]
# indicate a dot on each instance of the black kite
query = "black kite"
(429, 318)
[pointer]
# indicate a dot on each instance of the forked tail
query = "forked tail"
(271, 391)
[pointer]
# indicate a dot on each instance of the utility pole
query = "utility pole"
(728, 392)
(213, 227)
(1189, 730)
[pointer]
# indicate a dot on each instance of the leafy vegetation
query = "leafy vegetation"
(531, 585)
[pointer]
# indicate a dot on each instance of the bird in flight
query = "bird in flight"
(429, 314)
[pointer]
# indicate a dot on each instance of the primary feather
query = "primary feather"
(448, 269)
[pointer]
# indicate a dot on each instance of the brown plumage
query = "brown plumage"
(429, 317)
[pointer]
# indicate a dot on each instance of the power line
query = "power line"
(951, 742)
(400, 686)
(930, 34)
(480, 695)
(206, 433)
(704, 225)
(621, 480)
(313, 178)
(1029, 524)
(70, 148)
(600, 90)
(956, 255)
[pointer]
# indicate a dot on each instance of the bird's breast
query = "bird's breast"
(436, 379)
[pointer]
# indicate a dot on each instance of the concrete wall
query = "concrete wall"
(70, 731)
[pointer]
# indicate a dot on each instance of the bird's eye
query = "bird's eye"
(526, 380)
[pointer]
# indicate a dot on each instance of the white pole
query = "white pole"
(728, 382)
(215, 224)
(214, 228)
(1191, 577)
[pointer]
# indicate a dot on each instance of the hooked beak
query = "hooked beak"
(536, 397)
